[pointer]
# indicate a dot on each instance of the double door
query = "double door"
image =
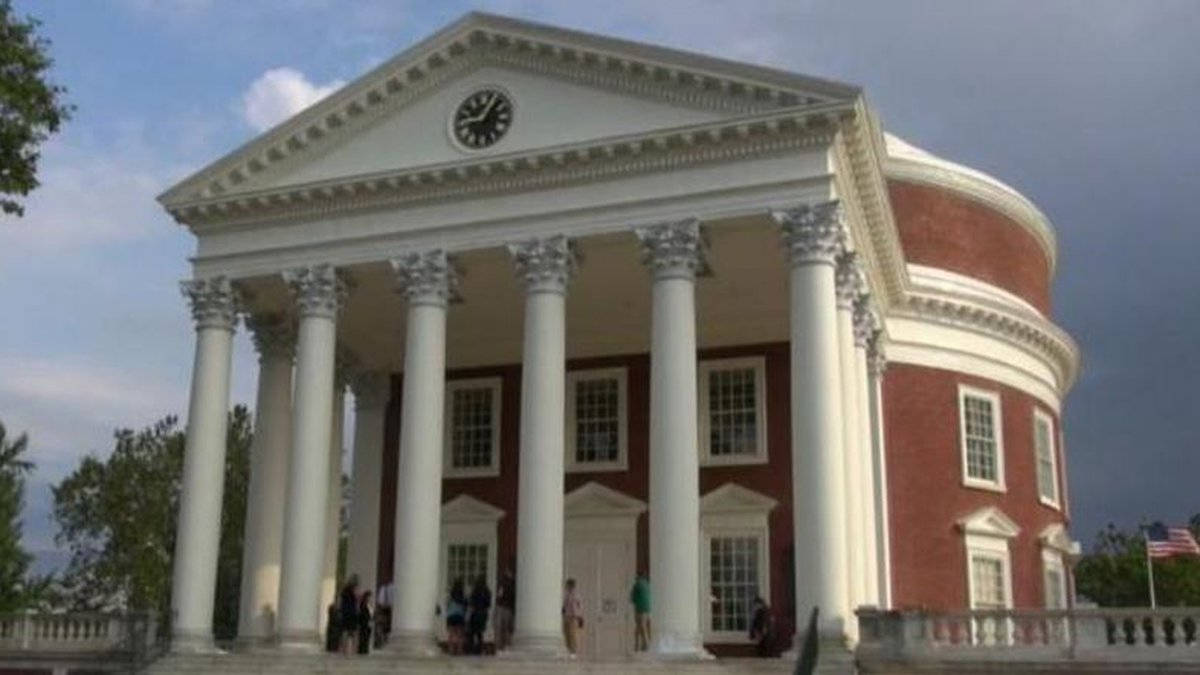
(602, 565)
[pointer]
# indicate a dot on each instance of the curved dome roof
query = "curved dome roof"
(906, 161)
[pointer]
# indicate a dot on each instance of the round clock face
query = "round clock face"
(482, 119)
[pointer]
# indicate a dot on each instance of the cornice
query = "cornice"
(642, 70)
(728, 140)
(989, 192)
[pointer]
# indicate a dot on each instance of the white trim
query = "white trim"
(992, 548)
(937, 280)
(964, 391)
(733, 511)
(574, 377)
(466, 520)
(759, 366)
(882, 513)
(1052, 561)
(1054, 501)
(496, 385)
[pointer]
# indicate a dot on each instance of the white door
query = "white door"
(603, 571)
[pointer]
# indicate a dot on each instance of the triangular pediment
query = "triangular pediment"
(1055, 537)
(565, 87)
(991, 522)
(465, 508)
(594, 499)
(733, 498)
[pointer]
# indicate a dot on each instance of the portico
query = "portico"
(690, 212)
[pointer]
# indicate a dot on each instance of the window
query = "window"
(1056, 587)
(473, 427)
(982, 446)
(466, 562)
(733, 411)
(596, 420)
(988, 582)
(1043, 447)
(735, 536)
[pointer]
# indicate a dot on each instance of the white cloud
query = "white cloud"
(280, 93)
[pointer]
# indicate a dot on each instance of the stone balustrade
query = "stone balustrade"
(1100, 635)
(75, 633)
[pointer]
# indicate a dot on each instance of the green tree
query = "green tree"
(31, 108)
(1114, 573)
(117, 516)
(17, 588)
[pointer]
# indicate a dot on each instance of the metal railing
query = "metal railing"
(1092, 635)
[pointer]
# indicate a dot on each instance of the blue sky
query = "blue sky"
(1086, 106)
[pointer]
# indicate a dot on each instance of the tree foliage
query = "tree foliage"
(1114, 573)
(17, 589)
(117, 517)
(31, 107)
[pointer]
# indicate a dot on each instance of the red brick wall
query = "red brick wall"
(926, 496)
(941, 229)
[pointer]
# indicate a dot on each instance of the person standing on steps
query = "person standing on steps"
(364, 623)
(480, 604)
(506, 598)
(639, 596)
(456, 611)
(572, 613)
(348, 614)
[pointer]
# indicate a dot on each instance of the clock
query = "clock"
(482, 119)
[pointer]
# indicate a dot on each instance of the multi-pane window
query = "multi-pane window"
(733, 578)
(988, 585)
(466, 562)
(472, 427)
(596, 418)
(732, 410)
(983, 461)
(1043, 446)
(1055, 588)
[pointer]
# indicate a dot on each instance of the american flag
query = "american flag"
(1164, 542)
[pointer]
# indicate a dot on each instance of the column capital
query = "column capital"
(214, 302)
(674, 249)
(274, 335)
(545, 265)
(426, 277)
(372, 389)
(848, 280)
(865, 321)
(318, 290)
(876, 356)
(813, 233)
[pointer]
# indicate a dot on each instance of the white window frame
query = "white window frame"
(574, 377)
(496, 384)
(466, 521)
(1040, 417)
(733, 511)
(759, 365)
(1052, 561)
(965, 391)
(995, 549)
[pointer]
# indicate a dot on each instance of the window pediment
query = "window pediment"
(594, 499)
(1055, 537)
(989, 522)
(733, 498)
(467, 509)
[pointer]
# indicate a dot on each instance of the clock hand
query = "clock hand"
(476, 118)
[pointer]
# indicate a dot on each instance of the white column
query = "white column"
(194, 579)
(876, 364)
(371, 391)
(848, 285)
(262, 543)
(333, 502)
(319, 292)
(864, 326)
(427, 281)
(814, 236)
(544, 266)
(675, 253)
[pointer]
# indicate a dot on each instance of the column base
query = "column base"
(413, 644)
(833, 656)
(299, 642)
(676, 647)
(538, 647)
(193, 642)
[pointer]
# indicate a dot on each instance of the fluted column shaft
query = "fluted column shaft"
(333, 501)
(814, 236)
(319, 292)
(848, 286)
(262, 542)
(876, 364)
(427, 281)
(194, 578)
(868, 494)
(544, 267)
(370, 400)
(674, 252)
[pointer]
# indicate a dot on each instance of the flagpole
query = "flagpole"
(1149, 568)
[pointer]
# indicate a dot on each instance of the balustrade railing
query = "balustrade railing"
(1170, 634)
(76, 633)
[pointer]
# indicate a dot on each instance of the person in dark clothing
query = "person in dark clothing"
(506, 599)
(332, 630)
(348, 614)
(480, 604)
(364, 623)
(762, 629)
(456, 611)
